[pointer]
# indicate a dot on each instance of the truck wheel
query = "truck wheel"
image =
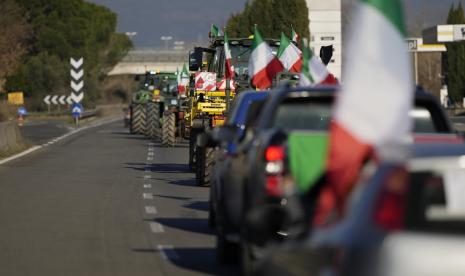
(153, 121)
(138, 124)
(204, 167)
(169, 129)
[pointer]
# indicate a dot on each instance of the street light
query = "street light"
(166, 39)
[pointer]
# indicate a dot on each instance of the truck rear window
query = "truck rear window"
(303, 116)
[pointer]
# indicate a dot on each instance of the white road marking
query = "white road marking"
(150, 153)
(147, 176)
(151, 144)
(156, 228)
(149, 158)
(167, 252)
(147, 195)
(147, 186)
(151, 210)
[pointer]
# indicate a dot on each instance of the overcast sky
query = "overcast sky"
(190, 20)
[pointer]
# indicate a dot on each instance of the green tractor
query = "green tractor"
(165, 110)
(138, 107)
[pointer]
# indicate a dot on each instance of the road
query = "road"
(103, 202)
(39, 132)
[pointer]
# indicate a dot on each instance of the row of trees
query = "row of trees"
(53, 32)
(272, 17)
(455, 58)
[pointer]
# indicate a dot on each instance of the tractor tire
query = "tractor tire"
(138, 119)
(169, 130)
(192, 149)
(153, 121)
(205, 158)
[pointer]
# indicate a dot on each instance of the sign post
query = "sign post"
(76, 111)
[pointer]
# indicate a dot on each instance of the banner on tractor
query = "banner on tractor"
(205, 81)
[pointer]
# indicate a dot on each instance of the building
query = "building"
(326, 29)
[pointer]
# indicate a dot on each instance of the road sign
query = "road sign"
(76, 110)
(22, 111)
(16, 98)
(412, 44)
(58, 99)
(77, 81)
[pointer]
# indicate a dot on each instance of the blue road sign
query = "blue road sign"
(22, 111)
(76, 110)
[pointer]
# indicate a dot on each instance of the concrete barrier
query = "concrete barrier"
(11, 140)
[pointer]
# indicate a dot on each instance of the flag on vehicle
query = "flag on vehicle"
(214, 31)
(229, 74)
(289, 55)
(263, 64)
(294, 36)
(313, 70)
(183, 79)
(372, 111)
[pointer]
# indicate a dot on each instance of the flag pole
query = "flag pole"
(228, 79)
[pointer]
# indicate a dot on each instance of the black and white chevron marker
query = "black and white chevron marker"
(60, 99)
(77, 81)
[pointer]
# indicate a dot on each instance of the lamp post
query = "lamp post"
(166, 39)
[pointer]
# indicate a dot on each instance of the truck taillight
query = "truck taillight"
(274, 170)
(390, 209)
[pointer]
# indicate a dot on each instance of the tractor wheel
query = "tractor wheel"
(153, 121)
(192, 149)
(205, 158)
(169, 130)
(138, 122)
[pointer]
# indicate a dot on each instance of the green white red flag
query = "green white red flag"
(214, 31)
(294, 36)
(229, 72)
(263, 64)
(183, 79)
(289, 55)
(314, 72)
(372, 110)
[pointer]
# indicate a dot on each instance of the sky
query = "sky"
(190, 20)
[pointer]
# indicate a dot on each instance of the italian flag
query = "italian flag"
(313, 70)
(229, 72)
(294, 36)
(372, 111)
(263, 64)
(214, 31)
(289, 55)
(183, 79)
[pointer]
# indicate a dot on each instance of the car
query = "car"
(405, 217)
(288, 152)
(224, 207)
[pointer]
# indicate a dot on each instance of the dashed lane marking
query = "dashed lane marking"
(167, 252)
(150, 153)
(149, 158)
(147, 176)
(147, 196)
(152, 210)
(147, 186)
(156, 228)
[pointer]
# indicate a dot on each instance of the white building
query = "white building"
(326, 29)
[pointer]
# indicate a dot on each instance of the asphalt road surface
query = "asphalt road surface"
(40, 132)
(103, 202)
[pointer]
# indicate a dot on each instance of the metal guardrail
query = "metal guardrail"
(84, 115)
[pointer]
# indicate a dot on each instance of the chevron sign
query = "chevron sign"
(77, 81)
(61, 99)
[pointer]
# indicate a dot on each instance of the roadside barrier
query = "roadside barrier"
(11, 139)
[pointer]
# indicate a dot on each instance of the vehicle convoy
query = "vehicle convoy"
(267, 167)
(157, 108)
(209, 108)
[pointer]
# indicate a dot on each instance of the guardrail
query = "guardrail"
(85, 114)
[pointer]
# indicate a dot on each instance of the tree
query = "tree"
(61, 30)
(455, 58)
(272, 17)
(14, 43)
